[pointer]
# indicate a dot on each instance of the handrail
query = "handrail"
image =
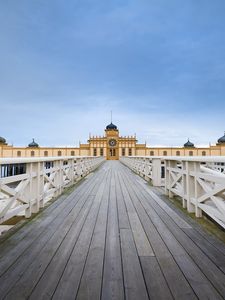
(26, 184)
(199, 181)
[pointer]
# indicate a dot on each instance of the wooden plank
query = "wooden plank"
(91, 281)
(201, 285)
(13, 247)
(143, 246)
(213, 253)
(202, 234)
(209, 269)
(112, 285)
(176, 281)
(69, 282)
(122, 212)
(133, 278)
(176, 218)
(30, 278)
(26, 258)
(77, 253)
(155, 280)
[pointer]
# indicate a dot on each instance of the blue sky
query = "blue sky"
(158, 64)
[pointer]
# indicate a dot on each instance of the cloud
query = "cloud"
(158, 65)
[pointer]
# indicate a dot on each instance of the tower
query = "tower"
(112, 137)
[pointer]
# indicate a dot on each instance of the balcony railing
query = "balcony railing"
(199, 181)
(26, 184)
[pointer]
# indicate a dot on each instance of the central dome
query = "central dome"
(111, 126)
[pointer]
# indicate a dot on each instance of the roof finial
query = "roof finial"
(111, 116)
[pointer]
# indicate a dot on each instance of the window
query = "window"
(18, 153)
(32, 153)
(46, 153)
(130, 152)
(101, 152)
(123, 151)
(72, 153)
(95, 152)
(151, 153)
(177, 153)
(190, 153)
(203, 153)
(59, 153)
(165, 153)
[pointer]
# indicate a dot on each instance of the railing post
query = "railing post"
(198, 190)
(156, 172)
(190, 185)
(166, 165)
(35, 184)
(184, 184)
(71, 172)
(172, 164)
(28, 191)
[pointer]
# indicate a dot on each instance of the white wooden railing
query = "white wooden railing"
(26, 184)
(199, 181)
(149, 167)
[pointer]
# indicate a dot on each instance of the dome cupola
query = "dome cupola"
(189, 144)
(221, 140)
(111, 126)
(33, 144)
(2, 140)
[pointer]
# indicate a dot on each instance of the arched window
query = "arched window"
(32, 153)
(72, 153)
(151, 153)
(18, 153)
(46, 153)
(95, 152)
(203, 153)
(177, 153)
(123, 151)
(165, 153)
(59, 153)
(190, 153)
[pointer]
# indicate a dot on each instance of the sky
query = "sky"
(159, 65)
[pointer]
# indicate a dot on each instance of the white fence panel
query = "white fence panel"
(26, 184)
(199, 181)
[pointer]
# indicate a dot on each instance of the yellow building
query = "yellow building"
(111, 146)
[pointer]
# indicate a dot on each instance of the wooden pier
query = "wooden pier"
(113, 237)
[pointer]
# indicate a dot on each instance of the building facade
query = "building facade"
(112, 146)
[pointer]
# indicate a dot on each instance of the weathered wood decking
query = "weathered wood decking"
(112, 238)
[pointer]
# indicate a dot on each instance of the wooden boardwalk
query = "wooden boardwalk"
(113, 237)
